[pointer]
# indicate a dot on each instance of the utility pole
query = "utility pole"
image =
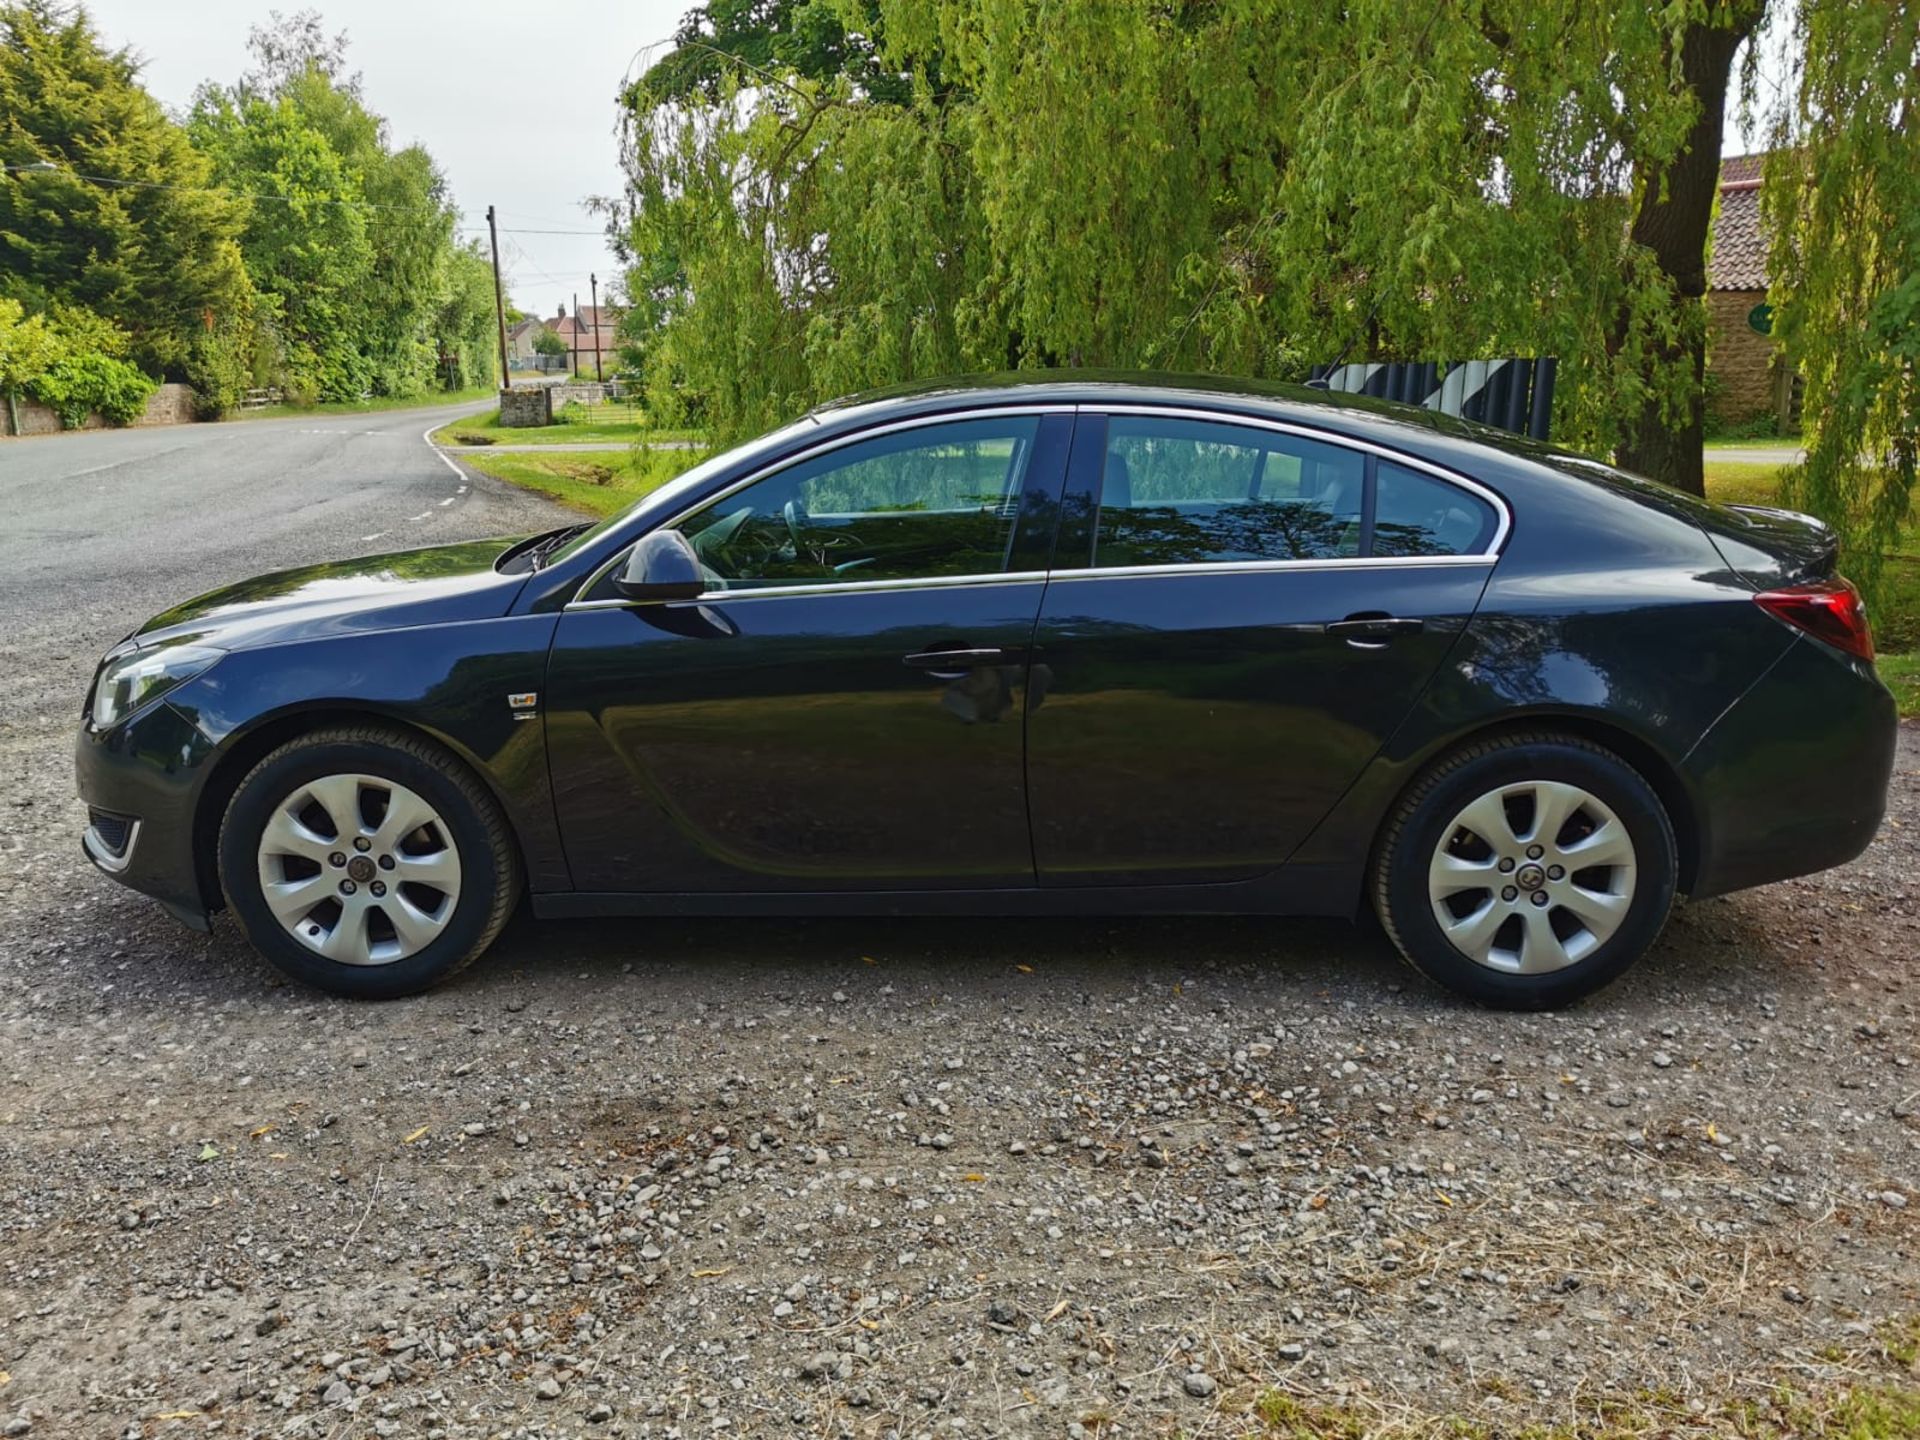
(499, 299)
(576, 334)
(594, 282)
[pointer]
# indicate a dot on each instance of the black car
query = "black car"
(1020, 646)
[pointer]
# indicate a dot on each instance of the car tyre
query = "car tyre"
(1447, 895)
(367, 775)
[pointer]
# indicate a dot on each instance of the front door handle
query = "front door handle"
(1371, 632)
(952, 664)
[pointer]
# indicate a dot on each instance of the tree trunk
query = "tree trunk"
(1675, 215)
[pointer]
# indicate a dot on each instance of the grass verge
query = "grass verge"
(594, 482)
(369, 407)
(1896, 620)
(1867, 1391)
(611, 425)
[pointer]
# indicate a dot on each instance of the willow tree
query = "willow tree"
(827, 194)
(1842, 193)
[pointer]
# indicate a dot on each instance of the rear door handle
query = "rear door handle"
(952, 664)
(1370, 632)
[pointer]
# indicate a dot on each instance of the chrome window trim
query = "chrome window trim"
(838, 442)
(1258, 567)
(830, 587)
(1502, 528)
(1502, 514)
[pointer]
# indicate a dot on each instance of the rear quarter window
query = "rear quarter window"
(1416, 514)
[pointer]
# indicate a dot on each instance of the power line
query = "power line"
(504, 230)
(42, 167)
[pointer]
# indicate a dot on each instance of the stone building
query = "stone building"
(1745, 378)
(579, 330)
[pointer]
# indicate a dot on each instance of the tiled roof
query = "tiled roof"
(1739, 257)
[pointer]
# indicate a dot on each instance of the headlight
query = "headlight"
(128, 681)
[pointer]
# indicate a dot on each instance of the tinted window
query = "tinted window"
(917, 504)
(1415, 514)
(1187, 492)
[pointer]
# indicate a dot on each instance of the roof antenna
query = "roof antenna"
(1325, 380)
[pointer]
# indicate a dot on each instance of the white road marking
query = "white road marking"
(421, 516)
(450, 499)
(374, 536)
(427, 435)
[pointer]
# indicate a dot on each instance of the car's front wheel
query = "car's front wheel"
(1526, 871)
(367, 862)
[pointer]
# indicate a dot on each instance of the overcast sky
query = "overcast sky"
(515, 101)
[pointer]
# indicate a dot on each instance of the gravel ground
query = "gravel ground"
(918, 1178)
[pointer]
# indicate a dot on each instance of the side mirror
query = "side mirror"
(662, 567)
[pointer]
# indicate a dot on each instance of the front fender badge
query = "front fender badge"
(525, 705)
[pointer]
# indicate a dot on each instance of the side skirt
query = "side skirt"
(1320, 890)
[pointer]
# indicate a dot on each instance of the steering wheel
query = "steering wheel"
(798, 519)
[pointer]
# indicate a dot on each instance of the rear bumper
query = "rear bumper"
(143, 779)
(1793, 778)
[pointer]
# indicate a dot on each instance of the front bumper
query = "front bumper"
(1793, 778)
(145, 777)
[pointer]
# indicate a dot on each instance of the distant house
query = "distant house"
(1748, 378)
(588, 325)
(520, 352)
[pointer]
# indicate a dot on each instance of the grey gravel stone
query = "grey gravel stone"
(1199, 1384)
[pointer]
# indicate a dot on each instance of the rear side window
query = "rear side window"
(1192, 492)
(1199, 492)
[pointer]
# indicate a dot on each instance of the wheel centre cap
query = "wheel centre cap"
(360, 868)
(1527, 877)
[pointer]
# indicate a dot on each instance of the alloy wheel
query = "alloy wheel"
(1532, 877)
(359, 869)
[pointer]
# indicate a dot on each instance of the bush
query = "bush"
(77, 385)
(220, 369)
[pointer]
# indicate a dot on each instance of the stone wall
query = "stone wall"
(587, 392)
(169, 405)
(1739, 360)
(526, 405)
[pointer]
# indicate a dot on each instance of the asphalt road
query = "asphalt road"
(105, 528)
(101, 530)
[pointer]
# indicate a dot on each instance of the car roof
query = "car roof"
(1362, 416)
(1448, 440)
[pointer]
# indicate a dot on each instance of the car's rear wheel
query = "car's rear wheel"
(367, 862)
(1526, 871)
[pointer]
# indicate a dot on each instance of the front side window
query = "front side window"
(1202, 492)
(937, 500)
(1191, 492)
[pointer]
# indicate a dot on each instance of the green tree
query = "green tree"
(306, 240)
(548, 343)
(123, 224)
(464, 324)
(1843, 194)
(351, 242)
(1253, 186)
(27, 348)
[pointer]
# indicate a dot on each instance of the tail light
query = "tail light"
(1828, 610)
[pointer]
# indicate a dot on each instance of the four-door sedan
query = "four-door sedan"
(1020, 646)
